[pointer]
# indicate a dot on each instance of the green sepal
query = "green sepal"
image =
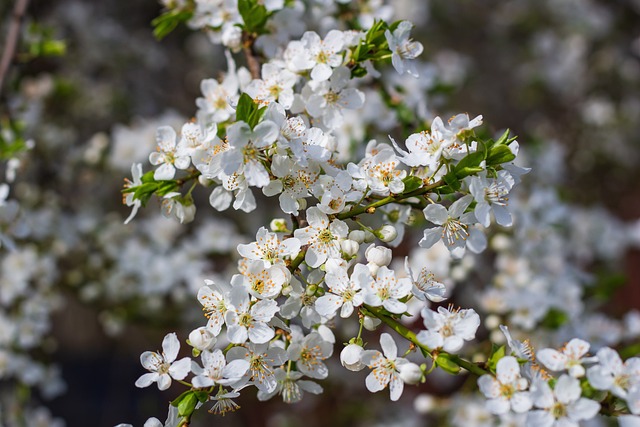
(497, 353)
(499, 154)
(411, 183)
(168, 21)
(447, 364)
(254, 16)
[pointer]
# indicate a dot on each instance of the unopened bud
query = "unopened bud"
(370, 323)
(202, 338)
(278, 225)
(378, 255)
(302, 204)
(350, 357)
(369, 237)
(410, 373)
(349, 247)
(357, 236)
(387, 233)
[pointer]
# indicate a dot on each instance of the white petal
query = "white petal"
(164, 172)
(435, 213)
(170, 347)
(396, 387)
(552, 359)
(431, 237)
(147, 379)
(389, 347)
(507, 370)
(583, 409)
(180, 369)
(377, 380)
(327, 304)
(520, 402)
(260, 333)
(164, 382)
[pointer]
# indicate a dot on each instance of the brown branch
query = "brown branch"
(252, 61)
(12, 39)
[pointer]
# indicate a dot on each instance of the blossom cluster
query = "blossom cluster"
(330, 118)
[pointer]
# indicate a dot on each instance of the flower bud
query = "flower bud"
(350, 357)
(373, 268)
(370, 323)
(378, 255)
(278, 225)
(202, 338)
(349, 247)
(186, 213)
(369, 237)
(357, 236)
(302, 204)
(410, 373)
(387, 233)
(204, 181)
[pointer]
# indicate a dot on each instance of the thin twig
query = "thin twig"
(12, 39)
(252, 61)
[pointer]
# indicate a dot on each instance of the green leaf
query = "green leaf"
(499, 154)
(165, 187)
(249, 111)
(254, 15)
(148, 177)
(497, 353)
(452, 180)
(202, 396)
(175, 402)
(503, 139)
(411, 183)
(187, 404)
(53, 48)
(168, 21)
(554, 319)
(446, 364)
(244, 108)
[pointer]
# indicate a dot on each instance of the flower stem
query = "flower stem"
(389, 199)
(411, 337)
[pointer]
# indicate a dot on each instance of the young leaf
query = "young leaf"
(446, 364)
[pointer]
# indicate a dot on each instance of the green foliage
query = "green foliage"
(373, 47)
(168, 21)
(444, 362)
(187, 401)
(249, 111)
(149, 187)
(497, 353)
(12, 142)
(40, 43)
(411, 183)
(254, 15)
(554, 319)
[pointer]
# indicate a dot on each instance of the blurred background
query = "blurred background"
(563, 75)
